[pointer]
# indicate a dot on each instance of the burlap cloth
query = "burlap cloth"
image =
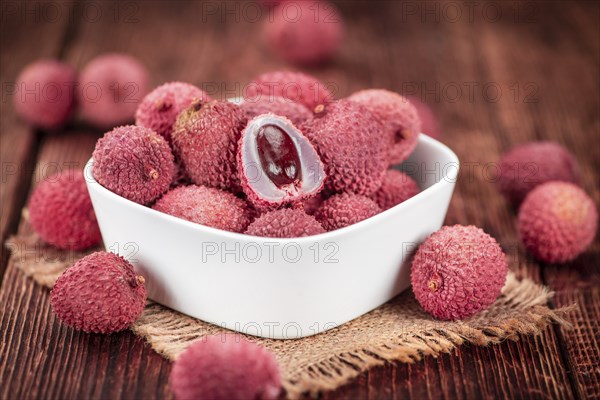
(396, 331)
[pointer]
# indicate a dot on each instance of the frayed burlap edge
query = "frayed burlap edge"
(396, 331)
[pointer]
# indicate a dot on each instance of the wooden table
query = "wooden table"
(497, 74)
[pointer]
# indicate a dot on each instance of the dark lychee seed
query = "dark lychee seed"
(278, 156)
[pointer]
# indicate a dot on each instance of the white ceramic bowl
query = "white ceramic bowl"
(280, 288)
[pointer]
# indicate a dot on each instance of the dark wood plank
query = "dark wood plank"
(28, 33)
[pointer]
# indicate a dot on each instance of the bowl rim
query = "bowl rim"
(449, 175)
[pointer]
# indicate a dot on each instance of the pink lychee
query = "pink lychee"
(395, 188)
(399, 117)
(45, 93)
(528, 165)
(295, 112)
(206, 136)
(345, 209)
(61, 213)
(100, 293)
(225, 367)
(347, 138)
(305, 32)
(111, 87)
(429, 122)
(557, 221)
(294, 86)
(134, 162)
(457, 272)
(160, 108)
(277, 164)
(206, 206)
(285, 223)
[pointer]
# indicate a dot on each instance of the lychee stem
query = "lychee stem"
(153, 174)
(434, 283)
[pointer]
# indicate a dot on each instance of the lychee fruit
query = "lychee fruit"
(61, 213)
(277, 164)
(134, 162)
(206, 136)
(225, 367)
(399, 117)
(395, 188)
(345, 209)
(557, 222)
(295, 112)
(347, 137)
(45, 93)
(111, 87)
(528, 165)
(206, 206)
(100, 293)
(429, 122)
(295, 86)
(312, 204)
(160, 108)
(306, 33)
(457, 272)
(285, 223)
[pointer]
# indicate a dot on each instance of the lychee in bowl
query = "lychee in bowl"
(280, 288)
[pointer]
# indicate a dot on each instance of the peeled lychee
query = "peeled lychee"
(395, 188)
(160, 108)
(429, 122)
(305, 32)
(100, 293)
(61, 213)
(399, 117)
(295, 112)
(134, 162)
(528, 165)
(347, 137)
(225, 367)
(111, 87)
(285, 223)
(294, 86)
(457, 272)
(45, 93)
(345, 209)
(277, 163)
(206, 136)
(206, 206)
(557, 222)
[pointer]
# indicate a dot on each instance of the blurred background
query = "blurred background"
(494, 73)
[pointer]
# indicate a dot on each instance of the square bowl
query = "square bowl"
(280, 288)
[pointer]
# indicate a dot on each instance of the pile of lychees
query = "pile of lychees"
(289, 161)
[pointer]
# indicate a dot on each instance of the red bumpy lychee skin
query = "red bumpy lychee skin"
(429, 122)
(160, 108)
(345, 209)
(309, 33)
(294, 86)
(277, 164)
(110, 88)
(100, 293)
(45, 93)
(399, 117)
(285, 223)
(206, 137)
(395, 188)
(225, 367)
(61, 213)
(295, 112)
(557, 222)
(134, 162)
(457, 272)
(347, 137)
(528, 165)
(206, 206)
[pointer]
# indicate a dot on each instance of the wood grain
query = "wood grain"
(554, 47)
